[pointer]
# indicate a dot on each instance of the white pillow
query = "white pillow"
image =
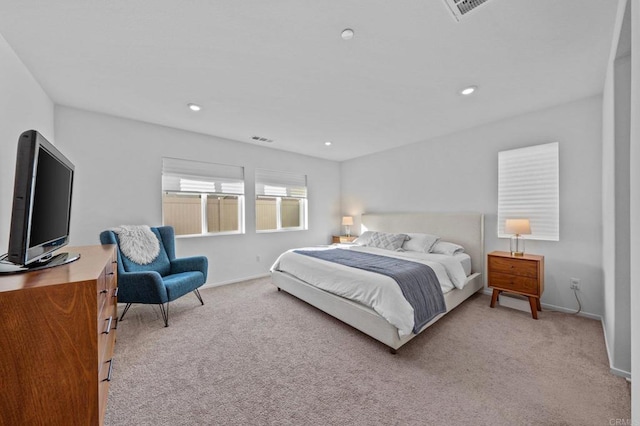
(445, 247)
(420, 242)
(381, 240)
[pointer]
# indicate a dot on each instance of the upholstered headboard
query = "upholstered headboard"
(466, 229)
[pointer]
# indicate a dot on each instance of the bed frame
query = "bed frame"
(466, 229)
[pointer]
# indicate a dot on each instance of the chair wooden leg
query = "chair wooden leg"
(198, 296)
(126, 308)
(165, 314)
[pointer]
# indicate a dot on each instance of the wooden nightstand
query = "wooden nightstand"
(521, 275)
(343, 239)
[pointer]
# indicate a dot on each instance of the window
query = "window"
(281, 201)
(202, 198)
(528, 188)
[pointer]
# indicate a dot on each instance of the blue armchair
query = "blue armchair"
(161, 281)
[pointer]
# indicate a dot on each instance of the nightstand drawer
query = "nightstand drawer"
(343, 239)
(514, 282)
(524, 268)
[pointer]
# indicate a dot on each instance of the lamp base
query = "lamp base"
(517, 246)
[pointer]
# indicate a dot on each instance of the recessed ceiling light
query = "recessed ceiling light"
(347, 34)
(194, 107)
(468, 90)
(327, 143)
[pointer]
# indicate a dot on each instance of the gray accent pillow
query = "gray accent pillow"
(384, 240)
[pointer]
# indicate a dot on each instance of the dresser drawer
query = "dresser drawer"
(107, 297)
(514, 283)
(104, 378)
(103, 393)
(506, 265)
(107, 324)
(111, 272)
(106, 340)
(101, 289)
(106, 344)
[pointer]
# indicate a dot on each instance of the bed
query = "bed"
(465, 229)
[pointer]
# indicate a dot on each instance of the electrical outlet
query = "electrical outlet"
(574, 283)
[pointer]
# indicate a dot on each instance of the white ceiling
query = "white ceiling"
(279, 69)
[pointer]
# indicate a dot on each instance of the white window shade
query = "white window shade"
(272, 183)
(197, 176)
(528, 188)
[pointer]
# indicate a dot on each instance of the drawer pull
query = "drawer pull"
(108, 330)
(111, 273)
(108, 379)
(115, 292)
(104, 291)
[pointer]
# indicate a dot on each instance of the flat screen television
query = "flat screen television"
(41, 213)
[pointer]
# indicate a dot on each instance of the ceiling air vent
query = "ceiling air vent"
(459, 8)
(261, 139)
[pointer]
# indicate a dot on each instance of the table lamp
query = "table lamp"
(517, 227)
(347, 221)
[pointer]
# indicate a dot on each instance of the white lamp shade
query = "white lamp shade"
(347, 220)
(517, 226)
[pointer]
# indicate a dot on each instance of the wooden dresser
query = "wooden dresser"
(57, 336)
(522, 275)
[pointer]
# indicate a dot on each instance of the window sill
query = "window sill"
(272, 231)
(211, 234)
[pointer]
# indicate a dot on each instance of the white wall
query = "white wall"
(459, 172)
(118, 181)
(23, 106)
(616, 197)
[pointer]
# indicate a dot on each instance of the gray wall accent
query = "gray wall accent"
(459, 172)
(616, 182)
(118, 181)
(635, 209)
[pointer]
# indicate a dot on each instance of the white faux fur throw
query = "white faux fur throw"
(138, 243)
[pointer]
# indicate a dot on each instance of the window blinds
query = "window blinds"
(528, 188)
(280, 184)
(197, 176)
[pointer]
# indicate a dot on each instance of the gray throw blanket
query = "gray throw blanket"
(138, 243)
(418, 282)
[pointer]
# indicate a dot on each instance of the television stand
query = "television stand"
(58, 334)
(53, 261)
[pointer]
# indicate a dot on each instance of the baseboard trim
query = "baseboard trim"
(621, 373)
(235, 280)
(612, 369)
(571, 311)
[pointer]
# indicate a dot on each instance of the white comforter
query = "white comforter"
(379, 292)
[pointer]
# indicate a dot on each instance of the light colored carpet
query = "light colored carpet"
(253, 355)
